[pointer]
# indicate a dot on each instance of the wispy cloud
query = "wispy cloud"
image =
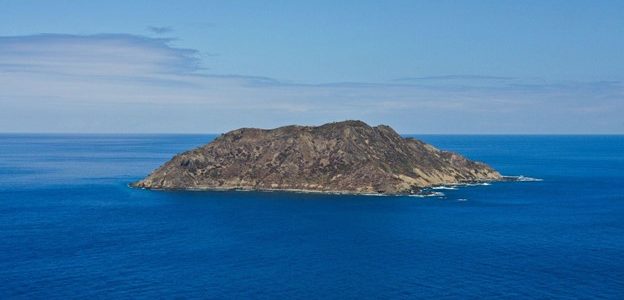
(453, 77)
(102, 54)
(160, 29)
(130, 83)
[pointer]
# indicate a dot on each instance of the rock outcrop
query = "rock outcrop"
(342, 157)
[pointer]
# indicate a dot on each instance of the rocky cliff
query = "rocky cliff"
(343, 157)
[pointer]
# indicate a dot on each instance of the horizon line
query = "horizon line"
(215, 133)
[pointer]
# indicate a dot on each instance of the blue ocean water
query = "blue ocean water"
(70, 227)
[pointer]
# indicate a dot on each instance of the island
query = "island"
(347, 157)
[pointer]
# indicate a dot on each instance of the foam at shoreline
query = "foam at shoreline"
(521, 178)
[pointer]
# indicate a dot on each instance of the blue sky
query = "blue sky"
(211, 66)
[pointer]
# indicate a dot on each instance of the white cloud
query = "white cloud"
(104, 54)
(129, 83)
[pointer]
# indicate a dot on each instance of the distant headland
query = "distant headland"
(342, 157)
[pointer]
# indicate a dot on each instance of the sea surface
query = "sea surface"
(70, 227)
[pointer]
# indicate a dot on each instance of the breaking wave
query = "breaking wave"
(476, 184)
(428, 194)
(521, 178)
(442, 187)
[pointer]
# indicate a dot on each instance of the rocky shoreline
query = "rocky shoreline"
(421, 192)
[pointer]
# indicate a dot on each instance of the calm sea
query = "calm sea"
(70, 227)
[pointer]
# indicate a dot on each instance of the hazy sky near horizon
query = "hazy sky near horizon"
(211, 66)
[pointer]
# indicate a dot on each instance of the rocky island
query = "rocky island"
(342, 157)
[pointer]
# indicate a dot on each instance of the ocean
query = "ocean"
(70, 227)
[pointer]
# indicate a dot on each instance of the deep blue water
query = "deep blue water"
(70, 227)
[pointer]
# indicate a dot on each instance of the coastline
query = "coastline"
(428, 191)
(422, 192)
